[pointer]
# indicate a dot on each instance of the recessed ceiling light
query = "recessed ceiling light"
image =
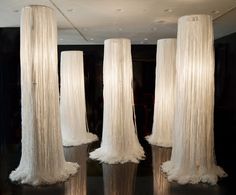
(215, 12)
(141, 42)
(70, 10)
(168, 10)
(154, 28)
(91, 39)
(120, 29)
(145, 39)
(61, 39)
(160, 21)
(16, 10)
(119, 10)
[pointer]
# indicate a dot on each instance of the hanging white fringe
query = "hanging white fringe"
(164, 94)
(72, 102)
(119, 139)
(77, 185)
(193, 158)
(42, 160)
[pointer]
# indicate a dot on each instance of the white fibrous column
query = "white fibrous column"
(72, 100)
(42, 159)
(164, 94)
(119, 139)
(192, 158)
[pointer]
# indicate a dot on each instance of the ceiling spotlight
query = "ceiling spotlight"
(119, 10)
(141, 42)
(160, 21)
(145, 39)
(61, 39)
(91, 39)
(215, 12)
(168, 10)
(154, 28)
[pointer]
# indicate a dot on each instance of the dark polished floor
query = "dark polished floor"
(96, 178)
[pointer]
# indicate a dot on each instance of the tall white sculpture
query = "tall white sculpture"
(119, 139)
(72, 103)
(42, 160)
(192, 158)
(164, 94)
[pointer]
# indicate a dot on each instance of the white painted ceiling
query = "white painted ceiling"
(143, 21)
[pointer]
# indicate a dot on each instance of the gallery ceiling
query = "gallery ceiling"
(143, 21)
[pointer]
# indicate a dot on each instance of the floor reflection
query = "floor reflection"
(77, 185)
(119, 179)
(94, 178)
(57, 189)
(4, 187)
(160, 184)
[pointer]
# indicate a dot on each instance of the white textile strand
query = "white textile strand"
(42, 159)
(72, 102)
(164, 94)
(119, 139)
(192, 158)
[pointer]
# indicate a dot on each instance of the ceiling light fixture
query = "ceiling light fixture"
(215, 12)
(154, 28)
(168, 10)
(119, 10)
(16, 10)
(91, 39)
(160, 21)
(145, 39)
